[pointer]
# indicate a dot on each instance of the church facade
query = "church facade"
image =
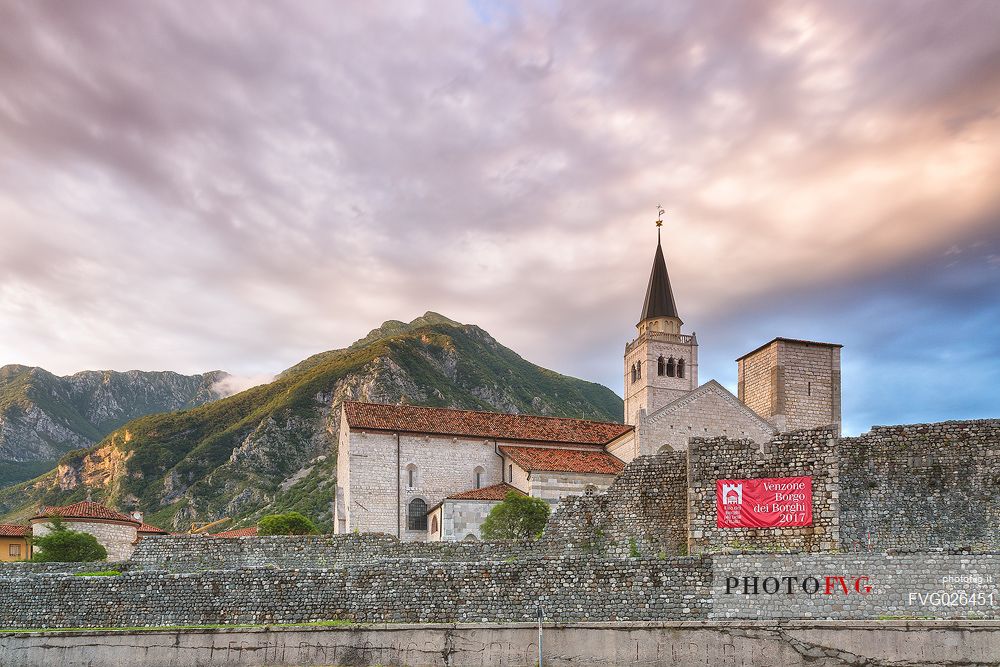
(430, 474)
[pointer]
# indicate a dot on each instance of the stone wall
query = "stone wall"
(793, 384)
(642, 513)
(804, 453)
(708, 411)
(569, 589)
(850, 586)
(921, 486)
(193, 553)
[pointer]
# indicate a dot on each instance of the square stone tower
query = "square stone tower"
(793, 384)
(661, 364)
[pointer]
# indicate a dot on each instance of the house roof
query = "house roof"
(150, 528)
(239, 532)
(659, 297)
(564, 460)
(495, 492)
(477, 424)
(85, 510)
(11, 530)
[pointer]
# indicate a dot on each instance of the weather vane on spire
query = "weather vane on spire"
(659, 220)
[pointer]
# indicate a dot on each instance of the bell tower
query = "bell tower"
(661, 364)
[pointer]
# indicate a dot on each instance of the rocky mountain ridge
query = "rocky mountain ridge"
(273, 447)
(44, 416)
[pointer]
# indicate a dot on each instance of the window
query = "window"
(638, 370)
(671, 368)
(661, 366)
(633, 372)
(434, 525)
(416, 515)
(809, 388)
(510, 472)
(680, 368)
(411, 476)
(477, 477)
(14, 551)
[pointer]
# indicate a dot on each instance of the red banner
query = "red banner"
(763, 503)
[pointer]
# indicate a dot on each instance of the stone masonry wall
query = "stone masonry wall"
(921, 486)
(803, 453)
(846, 586)
(709, 411)
(569, 589)
(642, 512)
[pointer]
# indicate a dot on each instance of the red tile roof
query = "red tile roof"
(85, 510)
(239, 532)
(491, 425)
(150, 528)
(10, 530)
(563, 460)
(495, 492)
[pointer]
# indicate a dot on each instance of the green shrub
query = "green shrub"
(98, 573)
(291, 523)
(62, 545)
(516, 517)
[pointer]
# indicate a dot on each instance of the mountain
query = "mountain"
(273, 447)
(43, 416)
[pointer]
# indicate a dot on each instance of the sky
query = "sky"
(194, 185)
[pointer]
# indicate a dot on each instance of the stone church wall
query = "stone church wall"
(921, 486)
(810, 453)
(705, 415)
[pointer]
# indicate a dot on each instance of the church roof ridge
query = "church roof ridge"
(659, 300)
(481, 423)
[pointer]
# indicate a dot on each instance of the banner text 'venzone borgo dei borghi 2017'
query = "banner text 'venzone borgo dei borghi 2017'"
(763, 503)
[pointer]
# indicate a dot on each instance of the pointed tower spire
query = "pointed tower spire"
(659, 297)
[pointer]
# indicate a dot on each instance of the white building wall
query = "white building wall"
(515, 475)
(117, 538)
(625, 447)
(462, 518)
(445, 465)
(554, 486)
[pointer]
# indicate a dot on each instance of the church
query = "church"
(433, 474)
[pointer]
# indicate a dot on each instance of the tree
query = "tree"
(62, 545)
(292, 523)
(516, 517)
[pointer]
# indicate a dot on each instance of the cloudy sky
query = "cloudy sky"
(195, 185)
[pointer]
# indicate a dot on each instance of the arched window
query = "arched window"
(470, 538)
(638, 370)
(434, 524)
(477, 477)
(633, 372)
(411, 476)
(671, 367)
(416, 515)
(661, 366)
(680, 368)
